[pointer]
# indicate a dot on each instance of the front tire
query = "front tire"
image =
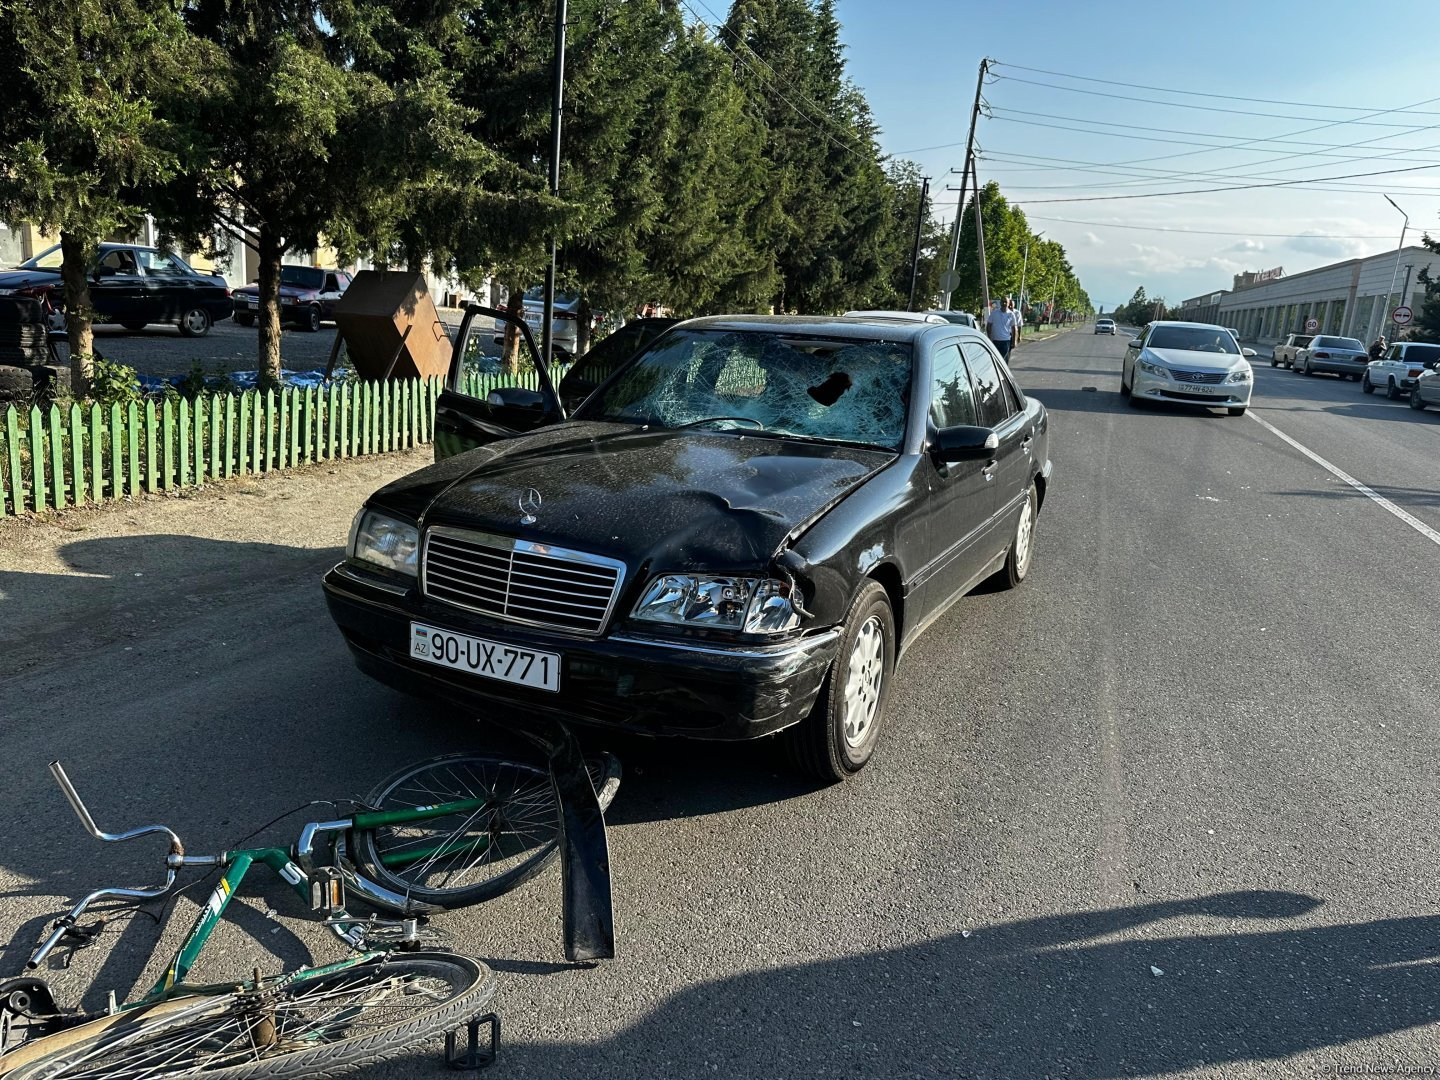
(839, 736)
(469, 856)
(1238, 410)
(1415, 402)
(244, 318)
(320, 1026)
(310, 321)
(195, 323)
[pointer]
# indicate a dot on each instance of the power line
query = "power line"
(1201, 108)
(1200, 93)
(1211, 232)
(1236, 187)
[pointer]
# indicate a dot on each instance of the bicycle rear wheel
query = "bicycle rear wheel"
(469, 856)
(323, 1026)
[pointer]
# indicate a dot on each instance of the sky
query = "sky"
(1333, 65)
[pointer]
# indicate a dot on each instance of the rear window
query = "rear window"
(1422, 354)
(1337, 343)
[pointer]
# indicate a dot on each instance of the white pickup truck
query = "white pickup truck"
(1283, 355)
(1397, 370)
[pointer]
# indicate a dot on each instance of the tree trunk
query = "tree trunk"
(270, 249)
(582, 329)
(514, 306)
(76, 256)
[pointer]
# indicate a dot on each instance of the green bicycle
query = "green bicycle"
(445, 833)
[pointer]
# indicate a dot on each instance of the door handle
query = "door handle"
(989, 470)
(1026, 443)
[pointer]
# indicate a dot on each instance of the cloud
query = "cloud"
(1091, 240)
(1247, 245)
(1324, 245)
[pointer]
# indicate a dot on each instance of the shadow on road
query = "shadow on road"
(1050, 996)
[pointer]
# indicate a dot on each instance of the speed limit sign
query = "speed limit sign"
(1311, 325)
(1401, 316)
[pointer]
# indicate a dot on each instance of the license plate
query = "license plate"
(251, 303)
(1200, 389)
(488, 659)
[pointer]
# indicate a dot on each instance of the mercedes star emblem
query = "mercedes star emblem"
(529, 503)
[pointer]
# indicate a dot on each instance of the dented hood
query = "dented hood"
(672, 500)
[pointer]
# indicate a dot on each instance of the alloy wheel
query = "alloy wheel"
(863, 681)
(1024, 532)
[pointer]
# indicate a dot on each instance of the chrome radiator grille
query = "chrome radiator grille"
(520, 581)
(1198, 376)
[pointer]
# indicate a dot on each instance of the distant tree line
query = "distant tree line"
(727, 168)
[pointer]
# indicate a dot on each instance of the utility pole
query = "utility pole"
(1405, 289)
(969, 153)
(980, 243)
(1395, 273)
(546, 337)
(1054, 289)
(1025, 267)
(919, 228)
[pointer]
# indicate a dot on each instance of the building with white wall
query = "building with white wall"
(1352, 298)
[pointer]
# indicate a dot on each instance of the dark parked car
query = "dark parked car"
(605, 358)
(308, 295)
(736, 535)
(133, 286)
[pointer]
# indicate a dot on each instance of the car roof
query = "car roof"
(1192, 325)
(903, 316)
(837, 326)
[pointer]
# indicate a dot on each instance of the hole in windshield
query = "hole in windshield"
(811, 388)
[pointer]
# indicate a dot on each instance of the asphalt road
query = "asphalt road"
(1168, 809)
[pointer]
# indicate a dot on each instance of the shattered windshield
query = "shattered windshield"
(786, 384)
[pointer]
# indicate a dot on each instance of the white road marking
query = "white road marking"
(1409, 519)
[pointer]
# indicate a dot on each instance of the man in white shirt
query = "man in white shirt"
(1001, 327)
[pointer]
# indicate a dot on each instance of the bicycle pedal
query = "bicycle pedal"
(474, 1056)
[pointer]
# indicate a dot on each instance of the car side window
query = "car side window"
(993, 406)
(952, 403)
(119, 261)
(331, 284)
(1394, 353)
(1012, 388)
(159, 264)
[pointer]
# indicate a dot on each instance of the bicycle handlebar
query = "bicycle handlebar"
(172, 863)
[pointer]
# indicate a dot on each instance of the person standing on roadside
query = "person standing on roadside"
(1017, 322)
(1000, 326)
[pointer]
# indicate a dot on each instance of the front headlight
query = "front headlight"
(1243, 375)
(1153, 369)
(385, 542)
(747, 605)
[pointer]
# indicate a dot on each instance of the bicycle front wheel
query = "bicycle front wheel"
(477, 853)
(323, 1026)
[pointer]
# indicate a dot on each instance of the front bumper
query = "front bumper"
(1149, 387)
(651, 686)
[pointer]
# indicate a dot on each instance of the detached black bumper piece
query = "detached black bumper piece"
(649, 686)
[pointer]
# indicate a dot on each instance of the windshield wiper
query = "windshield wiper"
(719, 419)
(853, 444)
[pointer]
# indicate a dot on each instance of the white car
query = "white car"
(1398, 369)
(1105, 326)
(1188, 364)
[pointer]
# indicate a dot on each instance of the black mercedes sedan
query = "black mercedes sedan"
(132, 285)
(736, 535)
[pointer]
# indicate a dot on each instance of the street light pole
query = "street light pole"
(1025, 266)
(1394, 273)
(547, 343)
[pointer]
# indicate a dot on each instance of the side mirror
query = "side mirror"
(963, 443)
(1136, 343)
(1247, 352)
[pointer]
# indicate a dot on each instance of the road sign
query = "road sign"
(950, 280)
(1311, 325)
(1401, 316)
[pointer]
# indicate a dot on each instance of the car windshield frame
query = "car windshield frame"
(1190, 339)
(35, 262)
(289, 273)
(782, 382)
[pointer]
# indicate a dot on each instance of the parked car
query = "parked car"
(1426, 390)
(1398, 369)
(1105, 326)
(133, 286)
(1283, 354)
(308, 295)
(959, 318)
(605, 358)
(1342, 356)
(735, 536)
(1188, 364)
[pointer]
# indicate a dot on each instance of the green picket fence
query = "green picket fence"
(54, 457)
